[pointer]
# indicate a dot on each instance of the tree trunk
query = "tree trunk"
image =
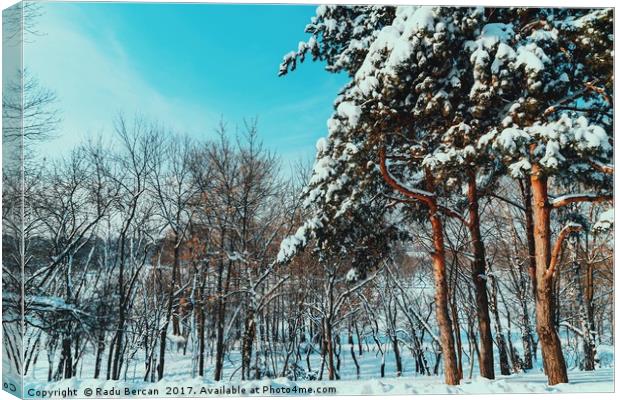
(526, 190)
(478, 271)
(164, 330)
(528, 345)
(100, 351)
(120, 331)
(337, 351)
(589, 349)
(176, 328)
(441, 298)
(589, 307)
(110, 355)
(248, 341)
(499, 334)
(359, 339)
(553, 359)
(352, 348)
(329, 348)
(421, 360)
(457, 333)
(201, 336)
(397, 357)
(219, 344)
(66, 357)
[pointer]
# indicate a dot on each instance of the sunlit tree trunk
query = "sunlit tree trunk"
(441, 299)
(553, 359)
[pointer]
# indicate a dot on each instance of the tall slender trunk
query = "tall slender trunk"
(221, 313)
(352, 348)
(201, 322)
(248, 341)
(120, 331)
(457, 328)
(176, 266)
(529, 347)
(201, 335)
(397, 357)
(441, 299)
(526, 192)
(478, 271)
(526, 336)
(439, 267)
(589, 294)
(499, 332)
(553, 359)
(329, 347)
(122, 297)
(110, 355)
(420, 356)
(219, 342)
(359, 339)
(100, 351)
(589, 305)
(589, 349)
(517, 363)
(164, 330)
(521, 288)
(337, 345)
(66, 369)
(50, 366)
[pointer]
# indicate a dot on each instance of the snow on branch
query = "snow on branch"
(562, 201)
(343, 296)
(291, 245)
(605, 221)
(416, 194)
(572, 328)
(601, 167)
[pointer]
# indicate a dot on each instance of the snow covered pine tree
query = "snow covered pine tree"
(441, 103)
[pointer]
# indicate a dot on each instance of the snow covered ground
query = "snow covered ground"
(178, 382)
(597, 381)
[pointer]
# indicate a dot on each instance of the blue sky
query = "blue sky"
(182, 65)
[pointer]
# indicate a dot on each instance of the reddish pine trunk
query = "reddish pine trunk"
(553, 359)
(441, 299)
(439, 269)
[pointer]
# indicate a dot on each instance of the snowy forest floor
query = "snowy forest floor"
(596, 381)
(178, 381)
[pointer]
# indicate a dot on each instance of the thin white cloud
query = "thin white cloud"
(95, 80)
